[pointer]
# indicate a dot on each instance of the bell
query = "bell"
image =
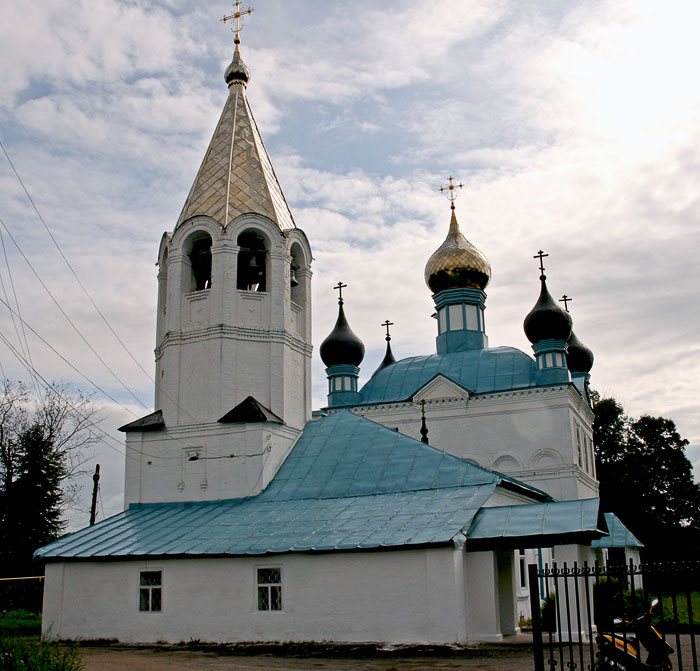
(253, 263)
(293, 278)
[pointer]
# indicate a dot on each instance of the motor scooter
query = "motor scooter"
(617, 652)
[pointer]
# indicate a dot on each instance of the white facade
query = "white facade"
(430, 595)
(217, 345)
(542, 435)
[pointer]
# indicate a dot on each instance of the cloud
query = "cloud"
(574, 128)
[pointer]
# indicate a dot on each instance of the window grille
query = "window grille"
(269, 589)
(150, 591)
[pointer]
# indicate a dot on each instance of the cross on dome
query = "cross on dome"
(340, 286)
(237, 16)
(387, 323)
(566, 300)
(540, 255)
(450, 189)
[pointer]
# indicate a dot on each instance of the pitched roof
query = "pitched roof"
(250, 411)
(620, 536)
(236, 175)
(152, 422)
(479, 371)
(348, 483)
(525, 526)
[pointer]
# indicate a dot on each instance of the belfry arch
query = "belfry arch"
(252, 273)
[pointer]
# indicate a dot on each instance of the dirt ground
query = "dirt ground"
(113, 658)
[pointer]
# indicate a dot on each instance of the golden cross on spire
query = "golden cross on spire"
(237, 16)
(566, 300)
(450, 188)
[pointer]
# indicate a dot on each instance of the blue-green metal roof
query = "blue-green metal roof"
(551, 519)
(348, 483)
(620, 536)
(479, 371)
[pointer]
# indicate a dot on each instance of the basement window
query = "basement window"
(269, 589)
(150, 591)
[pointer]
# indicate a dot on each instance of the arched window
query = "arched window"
(200, 258)
(298, 286)
(252, 258)
(163, 281)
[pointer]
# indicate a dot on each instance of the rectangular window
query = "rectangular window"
(150, 591)
(269, 589)
(522, 561)
(578, 445)
(442, 320)
(456, 318)
(472, 317)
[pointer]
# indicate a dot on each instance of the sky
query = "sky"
(574, 128)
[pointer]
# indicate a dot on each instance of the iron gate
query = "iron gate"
(573, 607)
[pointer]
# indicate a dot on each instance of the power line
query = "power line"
(70, 267)
(92, 302)
(69, 320)
(33, 371)
(25, 347)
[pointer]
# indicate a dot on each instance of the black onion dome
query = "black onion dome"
(547, 320)
(237, 71)
(342, 346)
(388, 358)
(579, 359)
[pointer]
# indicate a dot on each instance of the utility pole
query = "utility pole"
(95, 486)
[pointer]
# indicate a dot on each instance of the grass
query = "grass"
(27, 654)
(21, 648)
(20, 623)
(684, 621)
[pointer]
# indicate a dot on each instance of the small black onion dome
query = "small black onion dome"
(342, 346)
(579, 359)
(388, 358)
(237, 71)
(547, 320)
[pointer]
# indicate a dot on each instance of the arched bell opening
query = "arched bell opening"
(199, 255)
(163, 281)
(296, 279)
(252, 262)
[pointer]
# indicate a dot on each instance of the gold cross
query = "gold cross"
(566, 300)
(450, 188)
(540, 255)
(236, 16)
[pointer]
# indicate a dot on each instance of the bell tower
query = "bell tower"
(233, 333)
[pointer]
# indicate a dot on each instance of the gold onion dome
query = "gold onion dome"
(456, 263)
(237, 71)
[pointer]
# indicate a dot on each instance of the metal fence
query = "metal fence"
(598, 617)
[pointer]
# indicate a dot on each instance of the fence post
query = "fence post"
(537, 646)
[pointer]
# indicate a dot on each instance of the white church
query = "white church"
(405, 511)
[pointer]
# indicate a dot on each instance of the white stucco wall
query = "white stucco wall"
(529, 434)
(158, 467)
(391, 596)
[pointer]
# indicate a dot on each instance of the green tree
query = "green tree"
(42, 447)
(646, 479)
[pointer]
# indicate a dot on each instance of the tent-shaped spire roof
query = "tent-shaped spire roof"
(236, 176)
